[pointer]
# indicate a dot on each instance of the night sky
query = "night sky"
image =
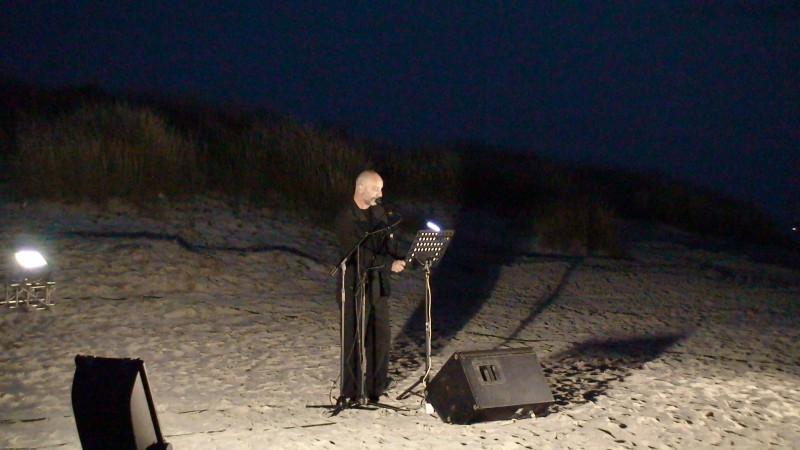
(705, 91)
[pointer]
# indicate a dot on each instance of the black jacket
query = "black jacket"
(378, 251)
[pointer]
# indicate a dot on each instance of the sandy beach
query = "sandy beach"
(685, 343)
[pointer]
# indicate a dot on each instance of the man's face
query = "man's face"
(371, 190)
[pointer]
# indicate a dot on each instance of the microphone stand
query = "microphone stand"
(342, 403)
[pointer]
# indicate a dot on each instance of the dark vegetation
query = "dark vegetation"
(81, 143)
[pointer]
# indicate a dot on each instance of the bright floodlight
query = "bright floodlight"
(30, 259)
(31, 286)
(433, 226)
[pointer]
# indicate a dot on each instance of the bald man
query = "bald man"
(375, 258)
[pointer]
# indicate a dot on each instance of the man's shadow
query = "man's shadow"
(493, 219)
(460, 285)
(586, 371)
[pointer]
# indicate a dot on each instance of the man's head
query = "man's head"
(369, 188)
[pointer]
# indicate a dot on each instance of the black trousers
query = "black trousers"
(377, 344)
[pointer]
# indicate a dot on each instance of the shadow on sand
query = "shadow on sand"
(585, 371)
(551, 297)
(460, 285)
(184, 243)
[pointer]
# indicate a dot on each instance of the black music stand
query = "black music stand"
(427, 249)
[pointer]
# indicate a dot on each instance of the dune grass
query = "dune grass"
(424, 172)
(79, 144)
(296, 164)
(103, 151)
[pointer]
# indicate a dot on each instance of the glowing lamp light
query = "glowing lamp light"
(433, 227)
(30, 287)
(30, 259)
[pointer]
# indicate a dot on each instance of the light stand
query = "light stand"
(31, 286)
(427, 249)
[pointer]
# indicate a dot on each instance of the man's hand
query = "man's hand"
(398, 265)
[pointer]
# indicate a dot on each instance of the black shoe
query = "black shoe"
(374, 398)
(345, 402)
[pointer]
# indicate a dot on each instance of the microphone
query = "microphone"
(388, 207)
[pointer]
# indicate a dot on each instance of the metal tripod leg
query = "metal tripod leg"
(341, 331)
(360, 320)
(362, 335)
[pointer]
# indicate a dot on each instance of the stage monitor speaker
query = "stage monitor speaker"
(479, 385)
(113, 405)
